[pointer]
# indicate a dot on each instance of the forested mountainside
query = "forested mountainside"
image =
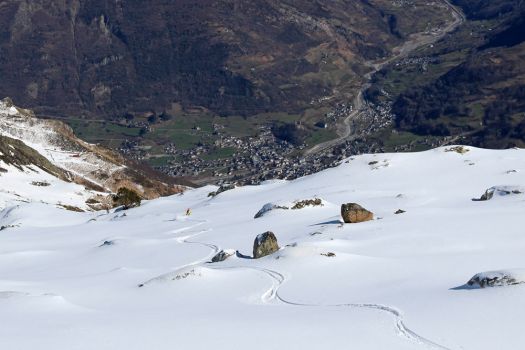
(475, 87)
(110, 58)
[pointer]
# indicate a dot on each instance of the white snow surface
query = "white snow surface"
(71, 280)
(22, 186)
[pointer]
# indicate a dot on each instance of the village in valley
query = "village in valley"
(265, 156)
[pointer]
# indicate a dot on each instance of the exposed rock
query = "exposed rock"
(16, 153)
(296, 205)
(186, 274)
(221, 189)
(329, 254)
(487, 195)
(92, 201)
(191, 271)
(458, 149)
(500, 191)
(40, 183)
(497, 278)
(316, 202)
(71, 208)
(221, 256)
(400, 211)
(265, 244)
(354, 213)
(241, 255)
(268, 207)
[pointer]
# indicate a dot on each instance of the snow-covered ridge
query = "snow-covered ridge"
(56, 142)
(86, 164)
(143, 278)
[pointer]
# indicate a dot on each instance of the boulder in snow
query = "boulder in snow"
(265, 244)
(222, 188)
(295, 205)
(267, 208)
(353, 213)
(500, 191)
(497, 278)
(316, 202)
(458, 149)
(221, 256)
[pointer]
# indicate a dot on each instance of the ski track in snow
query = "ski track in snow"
(185, 240)
(278, 279)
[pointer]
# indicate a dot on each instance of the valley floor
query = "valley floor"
(71, 280)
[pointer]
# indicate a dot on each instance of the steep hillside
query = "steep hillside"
(471, 85)
(108, 58)
(15, 153)
(52, 147)
(26, 176)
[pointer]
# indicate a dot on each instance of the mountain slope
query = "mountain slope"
(15, 153)
(396, 282)
(471, 85)
(27, 176)
(108, 58)
(51, 146)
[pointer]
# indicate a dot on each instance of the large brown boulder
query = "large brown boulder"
(353, 213)
(265, 244)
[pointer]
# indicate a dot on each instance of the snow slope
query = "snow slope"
(71, 280)
(42, 135)
(86, 164)
(32, 184)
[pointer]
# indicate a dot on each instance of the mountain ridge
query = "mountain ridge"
(52, 146)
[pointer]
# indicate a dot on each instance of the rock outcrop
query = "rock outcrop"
(497, 278)
(221, 189)
(458, 149)
(295, 205)
(500, 191)
(353, 213)
(316, 202)
(265, 244)
(221, 256)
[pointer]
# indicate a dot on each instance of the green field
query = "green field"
(186, 130)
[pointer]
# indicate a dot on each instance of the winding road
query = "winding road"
(416, 41)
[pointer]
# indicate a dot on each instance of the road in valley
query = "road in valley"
(416, 41)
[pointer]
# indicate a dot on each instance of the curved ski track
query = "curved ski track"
(278, 279)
